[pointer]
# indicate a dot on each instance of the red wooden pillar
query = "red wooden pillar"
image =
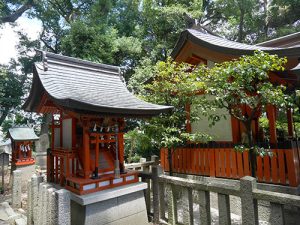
(86, 151)
(121, 148)
(52, 133)
(290, 122)
(271, 114)
(255, 130)
(74, 121)
(235, 129)
(61, 129)
(97, 156)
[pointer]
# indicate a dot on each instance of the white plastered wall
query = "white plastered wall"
(67, 133)
(221, 131)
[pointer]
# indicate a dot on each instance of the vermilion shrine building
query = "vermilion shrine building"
(88, 103)
(22, 141)
(218, 159)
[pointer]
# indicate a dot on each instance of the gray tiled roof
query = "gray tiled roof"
(22, 134)
(226, 46)
(222, 42)
(88, 87)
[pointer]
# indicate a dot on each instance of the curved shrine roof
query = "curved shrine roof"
(22, 134)
(225, 46)
(86, 87)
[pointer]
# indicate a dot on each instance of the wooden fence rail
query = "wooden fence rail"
(163, 189)
(283, 168)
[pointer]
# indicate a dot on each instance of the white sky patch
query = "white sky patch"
(9, 38)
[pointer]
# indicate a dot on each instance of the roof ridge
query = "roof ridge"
(235, 42)
(59, 59)
(292, 35)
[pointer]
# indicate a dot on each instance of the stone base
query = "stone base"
(27, 171)
(116, 206)
(41, 160)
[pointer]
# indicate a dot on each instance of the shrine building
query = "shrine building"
(88, 102)
(218, 158)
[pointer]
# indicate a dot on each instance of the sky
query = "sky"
(9, 38)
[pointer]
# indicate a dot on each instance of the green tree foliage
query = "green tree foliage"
(172, 85)
(244, 82)
(10, 92)
(252, 21)
(14, 77)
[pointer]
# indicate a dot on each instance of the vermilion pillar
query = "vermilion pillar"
(271, 114)
(235, 129)
(86, 151)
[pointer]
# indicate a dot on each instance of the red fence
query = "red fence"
(283, 168)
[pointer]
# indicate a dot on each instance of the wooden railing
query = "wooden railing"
(282, 168)
(61, 163)
(165, 200)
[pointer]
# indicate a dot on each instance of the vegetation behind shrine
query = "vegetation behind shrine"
(133, 34)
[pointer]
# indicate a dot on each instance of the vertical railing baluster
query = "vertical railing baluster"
(187, 206)
(162, 209)
(277, 214)
(224, 209)
(204, 207)
(172, 205)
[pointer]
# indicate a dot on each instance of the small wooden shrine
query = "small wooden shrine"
(22, 140)
(88, 103)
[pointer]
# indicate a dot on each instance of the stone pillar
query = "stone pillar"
(155, 188)
(45, 203)
(35, 182)
(249, 204)
(155, 159)
(29, 203)
(41, 151)
(51, 218)
(40, 200)
(17, 189)
(143, 168)
(63, 205)
(172, 205)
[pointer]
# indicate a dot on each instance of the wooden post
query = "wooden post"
(52, 133)
(290, 123)
(86, 150)
(121, 151)
(74, 121)
(96, 156)
(235, 129)
(61, 129)
(272, 123)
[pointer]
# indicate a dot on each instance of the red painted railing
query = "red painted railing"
(282, 168)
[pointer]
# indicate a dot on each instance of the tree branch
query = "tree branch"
(18, 13)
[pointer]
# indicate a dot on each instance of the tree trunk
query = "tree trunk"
(46, 122)
(252, 154)
(241, 24)
(266, 17)
(3, 116)
(170, 161)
